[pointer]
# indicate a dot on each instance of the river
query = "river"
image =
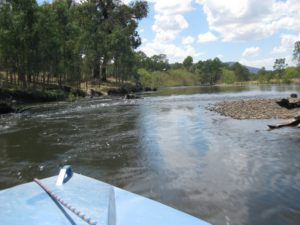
(168, 147)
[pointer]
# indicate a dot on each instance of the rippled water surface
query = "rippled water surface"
(166, 146)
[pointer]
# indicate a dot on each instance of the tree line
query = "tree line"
(281, 71)
(208, 72)
(66, 42)
(155, 70)
(69, 42)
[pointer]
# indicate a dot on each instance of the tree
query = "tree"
(188, 62)
(210, 70)
(296, 53)
(18, 37)
(279, 66)
(227, 76)
(109, 33)
(70, 41)
(241, 72)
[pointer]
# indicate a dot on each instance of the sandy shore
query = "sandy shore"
(255, 109)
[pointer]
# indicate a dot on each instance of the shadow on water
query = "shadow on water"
(168, 147)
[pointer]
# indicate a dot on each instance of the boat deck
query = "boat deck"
(106, 204)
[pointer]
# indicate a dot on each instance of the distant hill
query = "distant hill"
(250, 68)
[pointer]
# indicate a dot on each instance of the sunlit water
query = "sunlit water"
(168, 147)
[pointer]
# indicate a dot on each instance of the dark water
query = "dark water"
(168, 147)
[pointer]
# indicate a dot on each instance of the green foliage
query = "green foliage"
(296, 53)
(209, 71)
(227, 76)
(188, 62)
(279, 66)
(173, 77)
(69, 42)
(241, 72)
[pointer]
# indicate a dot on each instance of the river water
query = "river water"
(168, 147)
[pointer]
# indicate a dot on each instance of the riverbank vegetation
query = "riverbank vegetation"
(92, 44)
(68, 43)
(157, 71)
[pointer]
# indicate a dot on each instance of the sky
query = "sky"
(252, 32)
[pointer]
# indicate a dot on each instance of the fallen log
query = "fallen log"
(290, 123)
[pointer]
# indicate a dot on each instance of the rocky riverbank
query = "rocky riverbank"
(255, 109)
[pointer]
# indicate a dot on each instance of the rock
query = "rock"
(95, 93)
(147, 89)
(117, 92)
(294, 95)
(130, 96)
(66, 89)
(78, 92)
(285, 103)
(254, 109)
(6, 108)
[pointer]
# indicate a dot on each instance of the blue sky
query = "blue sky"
(252, 32)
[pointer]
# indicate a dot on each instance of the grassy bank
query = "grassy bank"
(170, 78)
(30, 95)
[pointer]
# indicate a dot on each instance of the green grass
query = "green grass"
(170, 78)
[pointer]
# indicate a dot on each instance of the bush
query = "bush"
(227, 76)
(173, 77)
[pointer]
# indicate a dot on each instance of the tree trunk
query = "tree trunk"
(96, 71)
(22, 78)
(103, 73)
(104, 69)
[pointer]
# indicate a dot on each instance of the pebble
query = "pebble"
(254, 109)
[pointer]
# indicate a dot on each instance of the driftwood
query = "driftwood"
(285, 103)
(289, 123)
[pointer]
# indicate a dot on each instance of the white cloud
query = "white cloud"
(251, 19)
(173, 7)
(174, 53)
(286, 44)
(207, 37)
(168, 27)
(259, 63)
(252, 51)
(169, 20)
(189, 40)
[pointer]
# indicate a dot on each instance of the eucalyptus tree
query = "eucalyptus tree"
(210, 70)
(124, 38)
(18, 37)
(109, 33)
(188, 62)
(279, 66)
(49, 44)
(241, 72)
(296, 53)
(7, 48)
